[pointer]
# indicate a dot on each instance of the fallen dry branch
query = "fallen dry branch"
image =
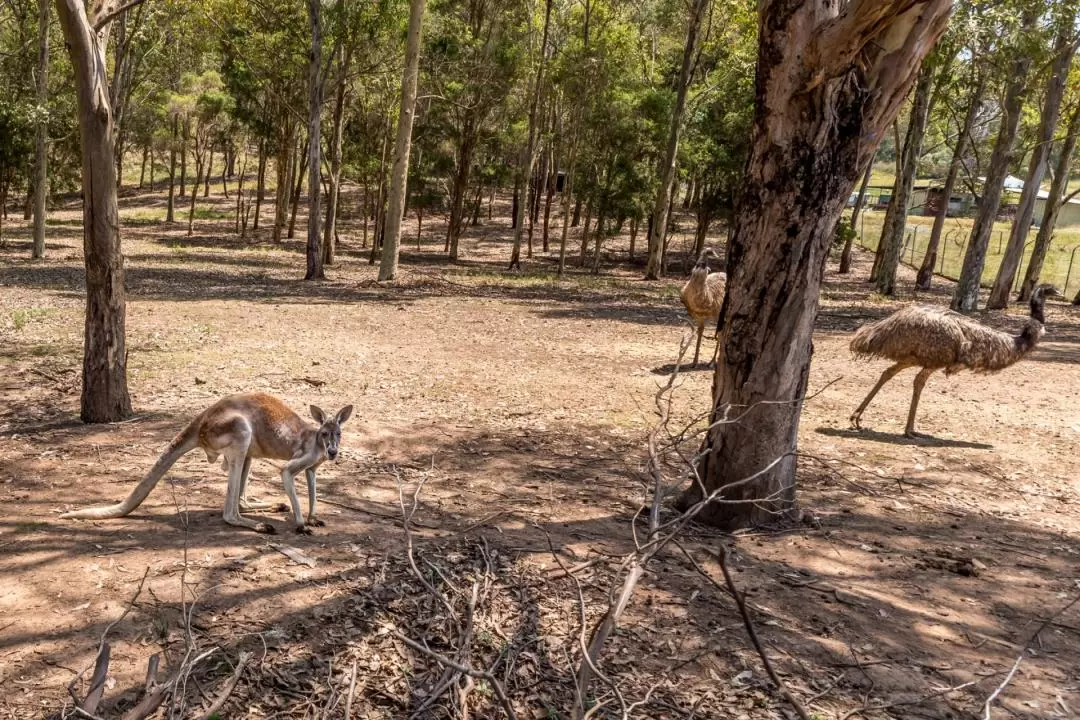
(229, 686)
(780, 684)
(1019, 658)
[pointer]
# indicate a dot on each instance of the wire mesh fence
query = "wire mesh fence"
(1061, 267)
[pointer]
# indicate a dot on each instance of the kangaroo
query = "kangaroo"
(241, 428)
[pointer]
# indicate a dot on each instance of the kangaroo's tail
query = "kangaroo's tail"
(186, 441)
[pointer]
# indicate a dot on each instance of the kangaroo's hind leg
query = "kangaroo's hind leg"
(247, 505)
(237, 441)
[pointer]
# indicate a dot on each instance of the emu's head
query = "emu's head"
(1038, 300)
(703, 258)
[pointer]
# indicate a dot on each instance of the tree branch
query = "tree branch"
(108, 17)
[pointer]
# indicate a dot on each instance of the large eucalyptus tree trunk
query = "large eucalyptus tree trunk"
(654, 267)
(1064, 49)
(314, 237)
(829, 80)
(41, 150)
(926, 269)
(399, 174)
(104, 392)
(966, 296)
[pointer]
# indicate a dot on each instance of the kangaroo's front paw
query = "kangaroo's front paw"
(265, 529)
(315, 522)
(303, 530)
(280, 507)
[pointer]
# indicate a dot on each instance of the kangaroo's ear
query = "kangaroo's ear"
(319, 415)
(343, 414)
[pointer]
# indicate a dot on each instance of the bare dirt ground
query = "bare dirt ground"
(522, 403)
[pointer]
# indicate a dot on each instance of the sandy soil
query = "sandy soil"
(523, 402)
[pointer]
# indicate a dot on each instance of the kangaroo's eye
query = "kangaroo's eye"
(324, 435)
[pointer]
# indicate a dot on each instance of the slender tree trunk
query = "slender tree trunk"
(527, 163)
(808, 146)
(1048, 122)
(379, 236)
(550, 195)
(845, 254)
(585, 234)
(1054, 201)
(260, 183)
(209, 169)
(671, 157)
(892, 235)
(41, 147)
(224, 174)
(300, 167)
(104, 391)
(153, 162)
(332, 198)
(890, 210)
(315, 91)
(926, 269)
(635, 222)
(966, 296)
(199, 153)
(170, 213)
(567, 191)
(457, 194)
(186, 129)
(689, 196)
(142, 167)
(283, 169)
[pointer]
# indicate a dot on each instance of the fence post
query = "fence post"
(1068, 273)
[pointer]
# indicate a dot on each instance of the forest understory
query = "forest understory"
(514, 409)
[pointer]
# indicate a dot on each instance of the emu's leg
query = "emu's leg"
(697, 348)
(886, 376)
(920, 381)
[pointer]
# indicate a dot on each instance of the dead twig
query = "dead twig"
(780, 684)
(1019, 658)
(230, 685)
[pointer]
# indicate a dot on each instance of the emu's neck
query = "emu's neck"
(1029, 336)
(1038, 303)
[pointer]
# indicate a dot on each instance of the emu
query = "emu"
(934, 338)
(703, 294)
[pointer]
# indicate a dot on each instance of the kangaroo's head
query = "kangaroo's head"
(328, 437)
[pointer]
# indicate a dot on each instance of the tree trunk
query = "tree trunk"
(1054, 201)
(845, 254)
(892, 236)
(332, 198)
(41, 148)
(199, 153)
(634, 223)
(260, 183)
(926, 269)
(1048, 121)
(654, 267)
(315, 90)
(142, 166)
(890, 210)
(208, 170)
(585, 234)
(170, 213)
(966, 295)
(526, 165)
(827, 86)
(300, 166)
(549, 196)
(104, 390)
(689, 196)
(457, 194)
(283, 170)
(186, 128)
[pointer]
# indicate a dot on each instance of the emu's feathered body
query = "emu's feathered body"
(934, 339)
(703, 294)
